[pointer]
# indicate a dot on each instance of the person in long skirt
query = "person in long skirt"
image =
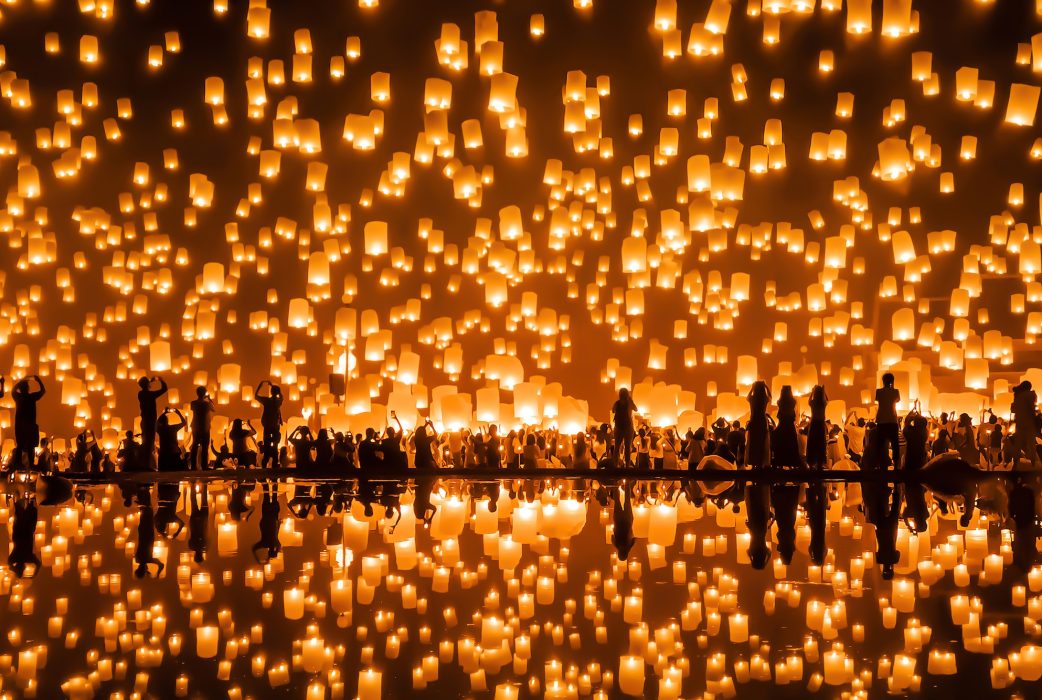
(817, 435)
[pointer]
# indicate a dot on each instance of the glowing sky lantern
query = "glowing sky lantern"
(1023, 103)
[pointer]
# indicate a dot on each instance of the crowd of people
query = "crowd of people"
(780, 438)
(950, 455)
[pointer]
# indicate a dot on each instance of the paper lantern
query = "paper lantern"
(375, 234)
(159, 356)
(526, 403)
(456, 412)
(89, 49)
(1022, 105)
(502, 95)
(631, 675)
(859, 16)
(895, 161)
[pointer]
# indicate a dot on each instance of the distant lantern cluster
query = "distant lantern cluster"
(472, 222)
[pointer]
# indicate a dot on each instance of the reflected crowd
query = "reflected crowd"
(423, 541)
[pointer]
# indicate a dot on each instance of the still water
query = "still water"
(519, 588)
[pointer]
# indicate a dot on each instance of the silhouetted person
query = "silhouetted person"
(268, 546)
(87, 456)
(622, 419)
(422, 438)
(202, 417)
(146, 399)
(758, 512)
(23, 531)
(26, 429)
(342, 451)
(391, 447)
(758, 432)
(965, 440)
(941, 443)
(494, 448)
(168, 427)
(1025, 423)
(887, 425)
(367, 451)
(916, 434)
(622, 519)
(271, 421)
(785, 440)
(580, 452)
(817, 432)
(301, 440)
(696, 447)
(198, 521)
(146, 540)
(531, 454)
(45, 457)
(240, 434)
(129, 454)
(323, 450)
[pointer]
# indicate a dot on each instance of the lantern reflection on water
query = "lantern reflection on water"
(496, 621)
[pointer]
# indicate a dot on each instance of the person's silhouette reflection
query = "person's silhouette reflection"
(784, 501)
(758, 514)
(239, 505)
(950, 477)
(23, 531)
(1024, 513)
(198, 521)
(166, 513)
(622, 519)
(268, 546)
(816, 505)
(882, 503)
(422, 506)
(146, 537)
